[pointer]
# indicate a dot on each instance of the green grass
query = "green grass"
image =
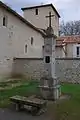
(14, 82)
(24, 90)
(68, 109)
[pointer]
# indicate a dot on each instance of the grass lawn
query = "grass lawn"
(29, 88)
(69, 109)
(62, 110)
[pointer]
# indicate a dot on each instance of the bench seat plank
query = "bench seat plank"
(28, 101)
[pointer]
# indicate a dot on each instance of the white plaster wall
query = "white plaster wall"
(74, 50)
(20, 35)
(59, 52)
(13, 39)
(69, 50)
(5, 51)
(40, 20)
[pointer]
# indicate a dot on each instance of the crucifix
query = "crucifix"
(50, 16)
(49, 87)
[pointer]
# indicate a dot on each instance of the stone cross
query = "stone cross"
(50, 89)
(50, 16)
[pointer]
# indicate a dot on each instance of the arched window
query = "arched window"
(25, 48)
(5, 21)
(36, 10)
(31, 40)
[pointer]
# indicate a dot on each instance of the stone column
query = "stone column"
(50, 89)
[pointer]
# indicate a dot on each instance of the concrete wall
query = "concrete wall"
(40, 20)
(68, 69)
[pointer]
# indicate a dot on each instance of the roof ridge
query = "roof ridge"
(44, 5)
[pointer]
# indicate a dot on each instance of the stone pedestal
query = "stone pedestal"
(49, 90)
(49, 86)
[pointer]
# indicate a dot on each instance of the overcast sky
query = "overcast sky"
(68, 9)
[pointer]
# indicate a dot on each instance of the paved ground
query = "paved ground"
(7, 114)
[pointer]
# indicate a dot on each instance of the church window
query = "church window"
(47, 59)
(43, 50)
(36, 11)
(25, 48)
(31, 40)
(78, 51)
(5, 21)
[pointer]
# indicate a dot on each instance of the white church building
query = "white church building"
(22, 38)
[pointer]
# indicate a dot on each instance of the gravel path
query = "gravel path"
(7, 114)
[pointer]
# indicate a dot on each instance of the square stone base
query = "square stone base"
(50, 93)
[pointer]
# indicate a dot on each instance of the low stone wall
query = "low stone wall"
(31, 67)
(68, 69)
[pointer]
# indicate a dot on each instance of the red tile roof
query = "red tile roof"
(67, 40)
(59, 42)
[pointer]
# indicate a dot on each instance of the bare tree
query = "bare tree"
(70, 28)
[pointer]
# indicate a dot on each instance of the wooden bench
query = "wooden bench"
(35, 104)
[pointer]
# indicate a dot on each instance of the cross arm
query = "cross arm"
(50, 16)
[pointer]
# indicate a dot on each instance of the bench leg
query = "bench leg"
(34, 110)
(18, 107)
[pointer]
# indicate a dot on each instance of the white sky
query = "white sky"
(68, 9)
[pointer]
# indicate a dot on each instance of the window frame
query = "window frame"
(75, 50)
(32, 40)
(36, 11)
(26, 48)
(5, 21)
(78, 51)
